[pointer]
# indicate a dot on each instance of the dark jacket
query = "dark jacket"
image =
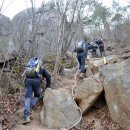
(99, 42)
(46, 75)
(43, 73)
(86, 47)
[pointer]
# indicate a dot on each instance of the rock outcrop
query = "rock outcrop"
(4, 25)
(117, 91)
(45, 26)
(5, 36)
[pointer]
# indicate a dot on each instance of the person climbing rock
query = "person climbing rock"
(100, 44)
(34, 74)
(82, 50)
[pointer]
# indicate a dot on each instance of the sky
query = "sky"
(12, 7)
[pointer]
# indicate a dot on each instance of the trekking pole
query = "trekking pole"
(104, 60)
(24, 73)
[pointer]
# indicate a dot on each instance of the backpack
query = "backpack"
(99, 42)
(33, 68)
(95, 45)
(80, 47)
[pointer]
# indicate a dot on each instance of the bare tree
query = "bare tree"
(60, 37)
(66, 31)
(1, 6)
(72, 21)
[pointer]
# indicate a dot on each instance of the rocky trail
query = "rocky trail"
(52, 30)
(94, 119)
(59, 110)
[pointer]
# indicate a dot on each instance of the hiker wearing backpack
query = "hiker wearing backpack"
(100, 44)
(34, 74)
(82, 50)
(94, 49)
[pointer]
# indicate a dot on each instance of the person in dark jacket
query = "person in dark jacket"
(82, 55)
(100, 44)
(33, 85)
(94, 49)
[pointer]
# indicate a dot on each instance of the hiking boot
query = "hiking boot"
(81, 75)
(26, 120)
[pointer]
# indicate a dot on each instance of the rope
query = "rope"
(105, 62)
(77, 108)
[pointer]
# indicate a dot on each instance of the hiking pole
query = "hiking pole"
(24, 73)
(104, 60)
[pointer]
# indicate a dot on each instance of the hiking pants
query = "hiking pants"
(94, 52)
(31, 85)
(102, 51)
(81, 59)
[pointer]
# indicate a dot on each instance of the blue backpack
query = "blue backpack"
(33, 68)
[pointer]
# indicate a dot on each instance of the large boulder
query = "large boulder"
(117, 91)
(4, 25)
(86, 92)
(59, 109)
(44, 24)
(69, 72)
(5, 34)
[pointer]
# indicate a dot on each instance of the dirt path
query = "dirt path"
(34, 125)
(98, 119)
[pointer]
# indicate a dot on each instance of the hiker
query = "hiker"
(94, 49)
(32, 84)
(100, 44)
(82, 50)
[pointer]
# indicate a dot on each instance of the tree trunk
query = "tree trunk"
(59, 50)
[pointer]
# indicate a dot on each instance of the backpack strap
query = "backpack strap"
(84, 45)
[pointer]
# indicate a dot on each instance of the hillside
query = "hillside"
(12, 100)
(68, 39)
